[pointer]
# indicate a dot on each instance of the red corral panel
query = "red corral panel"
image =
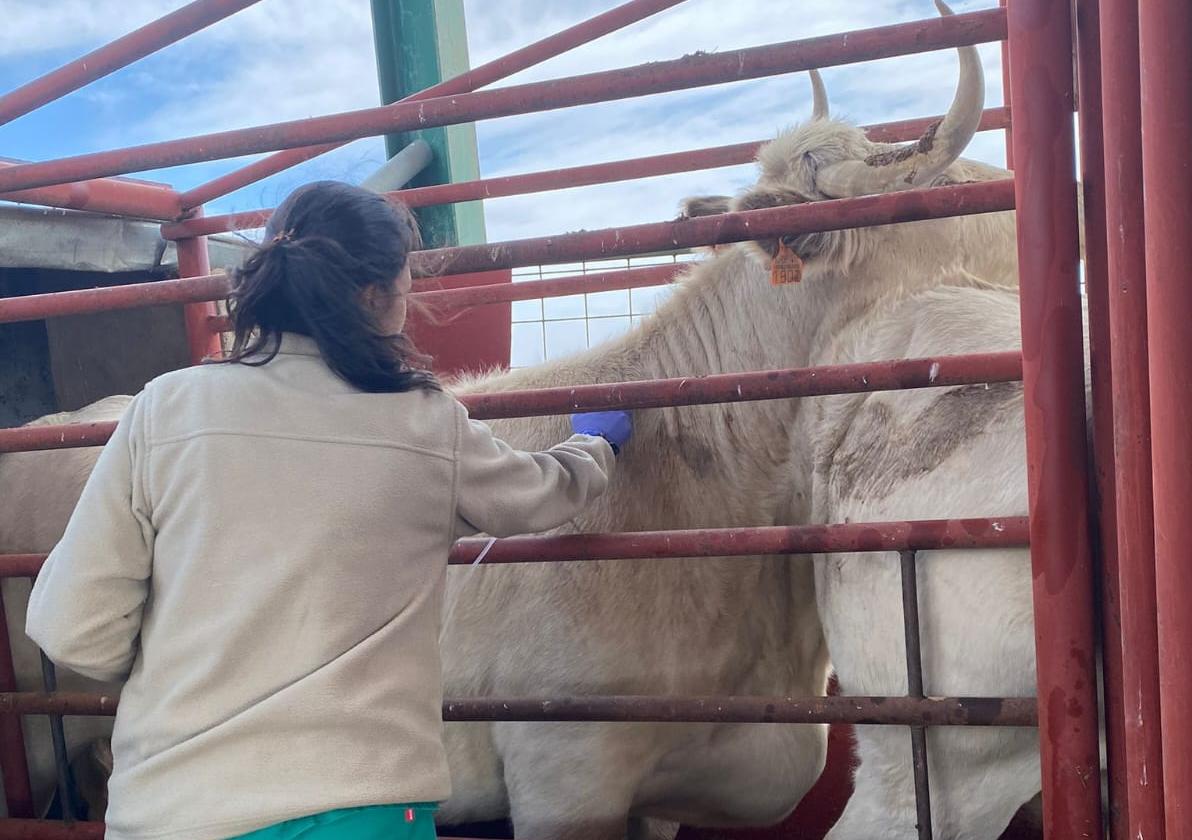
(472, 339)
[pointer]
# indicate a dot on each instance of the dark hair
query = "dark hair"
(326, 244)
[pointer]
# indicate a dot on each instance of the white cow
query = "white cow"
(735, 626)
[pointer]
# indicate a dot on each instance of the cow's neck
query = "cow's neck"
(726, 317)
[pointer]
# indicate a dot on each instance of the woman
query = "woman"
(261, 550)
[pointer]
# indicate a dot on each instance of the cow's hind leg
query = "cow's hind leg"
(572, 781)
(979, 780)
(882, 806)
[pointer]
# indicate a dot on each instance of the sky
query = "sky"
(289, 59)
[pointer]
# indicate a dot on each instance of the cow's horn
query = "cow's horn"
(920, 163)
(819, 96)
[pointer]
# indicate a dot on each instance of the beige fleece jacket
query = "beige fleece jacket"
(261, 551)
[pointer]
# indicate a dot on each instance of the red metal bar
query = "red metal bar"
(1006, 95)
(908, 206)
(922, 535)
(625, 170)
(1165, 30)
(47, 830)
(18, 791)
(1096, 275)
(743, 387)
(58, 703)
(576, 176)
(646, 167)
(215, 287)
(914, 688)
(1137, 643)
(38, 438)
(898, 131)
(603, 281)
(109, 298)
(13, 829)
(933, 372)
(889, 711)
(552, 179)
(21, 565)
(896, 711)
(119, 53)
(914, 205)
(468, 296)
(52, 830)
(695, 70)
(1041, 52)
(121, 196)
(193, 261)
(500, 68)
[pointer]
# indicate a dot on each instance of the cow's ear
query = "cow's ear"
(821, 245)
(704, 205)
(765, 198)
(807, 246)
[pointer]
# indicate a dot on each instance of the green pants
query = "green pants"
(374, 822)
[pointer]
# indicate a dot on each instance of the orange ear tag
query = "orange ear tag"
(786, 267)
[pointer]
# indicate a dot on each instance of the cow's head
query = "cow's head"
(826, 159)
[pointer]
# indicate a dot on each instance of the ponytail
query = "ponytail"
(335, 242)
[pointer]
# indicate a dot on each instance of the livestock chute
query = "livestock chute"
(1108, 567)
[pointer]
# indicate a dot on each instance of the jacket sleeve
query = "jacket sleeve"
(85, 607)
(503, 491)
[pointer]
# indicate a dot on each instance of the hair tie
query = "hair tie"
(284, 236)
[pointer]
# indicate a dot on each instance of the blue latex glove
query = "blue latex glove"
(613, 426)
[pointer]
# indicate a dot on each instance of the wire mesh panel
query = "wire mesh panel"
(545, 329)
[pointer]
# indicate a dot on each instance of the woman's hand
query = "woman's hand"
(614, 426)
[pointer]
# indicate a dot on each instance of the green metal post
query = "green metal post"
(420, 43)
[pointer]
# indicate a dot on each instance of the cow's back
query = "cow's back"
(40, 489)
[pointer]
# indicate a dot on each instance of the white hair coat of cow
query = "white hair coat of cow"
(748, 626)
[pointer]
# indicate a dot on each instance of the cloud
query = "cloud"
(32, 27)
(281, 60)
(876, 91)
(276, 60)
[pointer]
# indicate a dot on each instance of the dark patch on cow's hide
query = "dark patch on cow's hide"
(835, 566)
(880, 450)
(1027, 823)
(704, 205)
(921, 146)
(698, 456)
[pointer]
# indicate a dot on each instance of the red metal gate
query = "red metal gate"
(1138, 335)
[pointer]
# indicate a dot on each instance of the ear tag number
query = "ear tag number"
(786, 267)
